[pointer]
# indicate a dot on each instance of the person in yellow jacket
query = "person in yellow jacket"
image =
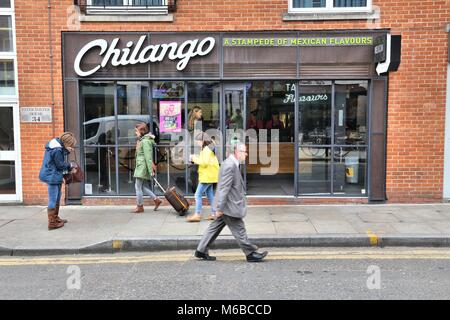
(208, 175)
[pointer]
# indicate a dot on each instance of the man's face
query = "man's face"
(241, 154)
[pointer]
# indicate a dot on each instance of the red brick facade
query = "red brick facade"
(417, 92)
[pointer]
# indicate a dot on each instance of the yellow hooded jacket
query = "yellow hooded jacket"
(208, 166)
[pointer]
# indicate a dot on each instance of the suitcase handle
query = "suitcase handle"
(158, 184)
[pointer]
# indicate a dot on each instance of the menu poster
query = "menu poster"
(170, 116)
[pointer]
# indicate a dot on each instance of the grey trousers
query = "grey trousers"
(141, 186)
(237, 228)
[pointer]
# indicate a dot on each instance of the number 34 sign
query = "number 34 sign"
(35, 114)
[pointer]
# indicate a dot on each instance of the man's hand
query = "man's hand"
(219, 214)
(153, 169)
(69, 148)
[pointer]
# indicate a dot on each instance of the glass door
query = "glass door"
(235, 109)
(10, 188)
(333, 126)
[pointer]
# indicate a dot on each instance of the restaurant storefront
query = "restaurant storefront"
(310, 106)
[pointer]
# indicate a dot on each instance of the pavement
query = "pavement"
(111, 229)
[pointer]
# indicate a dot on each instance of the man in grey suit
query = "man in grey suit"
(231, 208)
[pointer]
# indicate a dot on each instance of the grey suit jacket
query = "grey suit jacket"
(230, 195)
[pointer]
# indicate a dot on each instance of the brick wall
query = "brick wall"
(416, 92)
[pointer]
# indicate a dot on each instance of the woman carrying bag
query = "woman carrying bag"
(145, 167)
(52, 170)
(208, 175)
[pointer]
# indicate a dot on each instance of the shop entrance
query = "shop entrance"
(262, 110)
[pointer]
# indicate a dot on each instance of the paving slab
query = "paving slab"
(440, 226)
(325, 216)
(19, 212)
(378, 217)
(260, 228)
(288, 217)
(416, 228)
(182, 229)
(4, 222)
(374, 227)
(332, 226)
(294, 228)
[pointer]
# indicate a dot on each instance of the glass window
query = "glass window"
(349, 171)
(91, 129)
(127, 163)
(6, 34)
(7, 81)
(132, 109)
(314, 170)
(350, 112)
(6, 129)
(204, 96)
(309, 3)
(100, 171)
(168, 113)
(148, 2)
(203, 115)
(98, 100)
(107, 2)
(315, 112)
(168, 110)
(349, 3)
(321, 5)
(348, 164)
(5, 3)
(7, 177)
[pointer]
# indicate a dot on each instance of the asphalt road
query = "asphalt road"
(332, 273)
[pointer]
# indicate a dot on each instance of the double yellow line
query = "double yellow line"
(319, 254)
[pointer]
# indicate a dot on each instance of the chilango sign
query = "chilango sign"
(137, 54)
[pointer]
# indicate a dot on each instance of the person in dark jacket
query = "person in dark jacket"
(53, 167)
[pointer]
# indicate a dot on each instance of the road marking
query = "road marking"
(381, 254)
(373, 238)
(117, 244)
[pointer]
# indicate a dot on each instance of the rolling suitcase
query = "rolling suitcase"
(178, 201)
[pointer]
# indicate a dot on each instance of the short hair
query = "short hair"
(238, 145)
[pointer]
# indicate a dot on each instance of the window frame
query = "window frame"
(11, 55)
(123, 9)
(329, 8)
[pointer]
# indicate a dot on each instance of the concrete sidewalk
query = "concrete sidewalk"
(108, 229)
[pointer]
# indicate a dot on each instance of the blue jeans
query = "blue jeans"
(207, 188)
(141, 186)
(54, 195)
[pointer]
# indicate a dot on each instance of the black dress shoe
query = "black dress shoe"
(256, 256)
(204, 256)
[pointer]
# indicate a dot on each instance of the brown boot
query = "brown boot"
(57, 214)
(157, 203)
(138, 209)
(52, 220)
